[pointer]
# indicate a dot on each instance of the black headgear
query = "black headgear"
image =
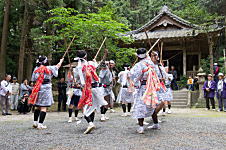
(126, 65)
(141, 52)
(81, 54)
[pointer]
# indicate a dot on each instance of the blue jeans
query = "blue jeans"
(190, 87)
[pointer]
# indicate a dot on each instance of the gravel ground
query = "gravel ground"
(185, 129)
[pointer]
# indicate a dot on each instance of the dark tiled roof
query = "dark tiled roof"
(164, 10)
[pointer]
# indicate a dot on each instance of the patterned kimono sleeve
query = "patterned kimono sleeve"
(136, 73)
(170, 77)
(54, 70)
(102, 73)
(164, 74)
(34, 75)
(120, 77)
(76, 74)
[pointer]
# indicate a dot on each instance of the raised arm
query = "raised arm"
(60, 63)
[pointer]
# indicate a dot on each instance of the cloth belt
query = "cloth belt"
(46, 81)
(144, 82)
(167, 86)
(75, 87)
(96, 84)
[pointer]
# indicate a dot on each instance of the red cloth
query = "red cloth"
(90, 73)
(34, 95)
(153, 85)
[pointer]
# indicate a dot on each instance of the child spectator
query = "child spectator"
(190, 83)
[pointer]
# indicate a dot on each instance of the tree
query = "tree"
(90, 30)
(23, 43)
(5, 31)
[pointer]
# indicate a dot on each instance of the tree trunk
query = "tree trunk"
(224, 35)
(4, 38)
(29, 65)
(210, 43)
(23, 43)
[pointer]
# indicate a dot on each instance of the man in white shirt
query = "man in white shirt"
(5, 92)
(15, 94)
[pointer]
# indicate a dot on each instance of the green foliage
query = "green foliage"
(90, 29)
(205, 65)
(183, 82)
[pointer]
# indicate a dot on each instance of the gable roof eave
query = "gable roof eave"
(165, 10)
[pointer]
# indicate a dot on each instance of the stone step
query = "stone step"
(179, 106)
(180, 97)
(178, 103)
(180, 100)
(180, 92)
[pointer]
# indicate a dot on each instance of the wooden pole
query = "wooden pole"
(100, 47)
(210, 43)
(224, 61)
(153, 46)
(161, 51)
(68, 47)
(148, 51)
(69, 60)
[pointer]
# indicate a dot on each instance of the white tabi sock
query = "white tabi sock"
(141, 128)
(91, 123)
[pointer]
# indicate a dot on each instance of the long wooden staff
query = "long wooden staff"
(68, 47)
(69, 60)
(148, 51)
(161, 52)
(153, 46)
(100, 48)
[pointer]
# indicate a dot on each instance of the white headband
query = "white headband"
(142, 55)
(77, 58)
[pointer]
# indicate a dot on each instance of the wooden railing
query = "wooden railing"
(191, 73)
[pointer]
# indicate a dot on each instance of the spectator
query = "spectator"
(5, 92)
(25, 88)
(196, 84)
(15, 94)
(23, 104)
(221, 92)
(190, 83)
(62, 99)
(216, 70)
(174, 85)
(209, 92)
(31, 84)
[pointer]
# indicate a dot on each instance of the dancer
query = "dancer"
(91, 99)
(113, 97)
(74, 94)
(42, 96)
(160, 71)
(168, 96)
(146, 83)
(125, 95)
(106, 79)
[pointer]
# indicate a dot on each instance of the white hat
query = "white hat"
(220, 74)
(112, 62)
(215, 64)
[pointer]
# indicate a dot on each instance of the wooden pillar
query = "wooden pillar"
(210, 44)
(184, 62)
